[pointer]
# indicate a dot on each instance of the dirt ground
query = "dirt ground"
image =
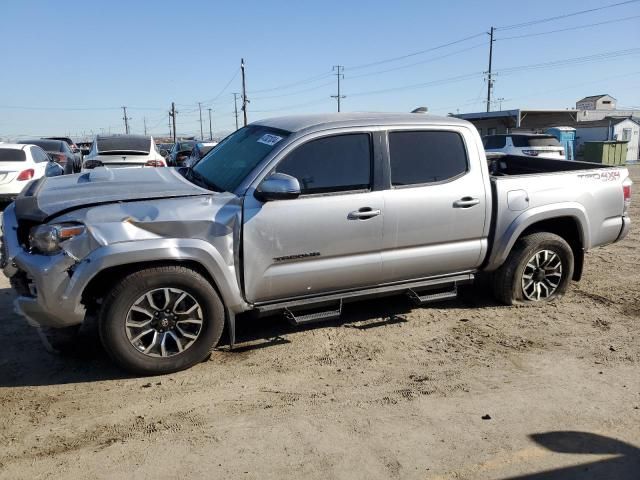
(466, 389)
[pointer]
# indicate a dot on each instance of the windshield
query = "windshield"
(231, 161)
(124, 143)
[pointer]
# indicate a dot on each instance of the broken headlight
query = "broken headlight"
(47, 238)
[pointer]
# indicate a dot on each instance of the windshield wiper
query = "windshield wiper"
(198, 178)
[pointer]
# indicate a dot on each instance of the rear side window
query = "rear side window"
(331, 164)
(426, 157)
(494, 141)
(535, 141)
(39, 155)
(12, 155)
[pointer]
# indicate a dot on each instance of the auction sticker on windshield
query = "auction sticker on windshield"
(269, 139)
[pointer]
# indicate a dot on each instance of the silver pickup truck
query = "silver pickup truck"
(298, 215)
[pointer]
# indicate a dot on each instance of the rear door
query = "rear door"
(330, 237)
(436, 209)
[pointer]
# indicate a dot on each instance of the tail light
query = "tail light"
(26, 175)
(532, 153)
(91, 164)
(626, 193)
(155, 163)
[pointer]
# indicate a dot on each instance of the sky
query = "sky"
(68, 66)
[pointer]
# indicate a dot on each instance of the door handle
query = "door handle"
(364, 213)
(466, 202)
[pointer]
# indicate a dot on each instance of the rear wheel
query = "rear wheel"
(161, 320)
(538, 269)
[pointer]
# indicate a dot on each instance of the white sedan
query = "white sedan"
(525, 144)
(118, 151)
(19, 164)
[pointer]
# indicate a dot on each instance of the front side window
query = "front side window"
(426, 157)
(331, 164)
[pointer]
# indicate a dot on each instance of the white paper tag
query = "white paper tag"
(269, 139)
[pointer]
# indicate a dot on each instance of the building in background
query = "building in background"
(607, 129)
(530, 120)
(597, 102)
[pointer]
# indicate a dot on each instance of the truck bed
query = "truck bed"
(517, 165)
(585, 197)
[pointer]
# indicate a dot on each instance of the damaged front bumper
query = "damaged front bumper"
(42, 282)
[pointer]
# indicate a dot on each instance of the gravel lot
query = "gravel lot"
(465, 389)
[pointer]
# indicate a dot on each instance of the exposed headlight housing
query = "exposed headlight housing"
(47, 238)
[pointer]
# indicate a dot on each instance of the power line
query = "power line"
(573, 61)
(568, 29)
(294, 93)
(401, 57)
(315, 78)
(224, 89)
(566, 15)
(433, 59)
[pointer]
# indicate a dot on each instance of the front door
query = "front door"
(435, 219)
(329, 238)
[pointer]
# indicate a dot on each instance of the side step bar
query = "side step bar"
(420, 299)
(300, 318)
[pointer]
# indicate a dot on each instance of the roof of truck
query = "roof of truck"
(296, 123)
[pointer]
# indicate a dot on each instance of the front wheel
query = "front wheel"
(538, 269)
(161, 320)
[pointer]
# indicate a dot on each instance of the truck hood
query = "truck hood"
(47, 197)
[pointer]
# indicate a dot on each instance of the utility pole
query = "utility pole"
(210, 127)
(235, 102)
(338, 69)
(172, 114)
(200, 108)
(126, 120)
(489, 76)
(245, 100)
(144, 121)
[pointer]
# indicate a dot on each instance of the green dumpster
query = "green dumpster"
(608, 153)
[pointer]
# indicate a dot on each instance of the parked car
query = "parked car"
(198, 152)
(530, 145)
(85, 147)
(299, 215)
(19, 164)
(180, 152)
(116, 151)
(75, 149)
(59, 152)
(165, 147)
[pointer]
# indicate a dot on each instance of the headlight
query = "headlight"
(47, 238)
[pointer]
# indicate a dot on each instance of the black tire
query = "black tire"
(117, 303)
(507, 280)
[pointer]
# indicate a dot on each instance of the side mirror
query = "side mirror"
(163, 152)
(278, 186)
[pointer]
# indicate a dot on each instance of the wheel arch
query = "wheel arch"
(569, 222)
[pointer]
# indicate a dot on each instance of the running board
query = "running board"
(390, 289)
(300, 318)
(426, 297)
